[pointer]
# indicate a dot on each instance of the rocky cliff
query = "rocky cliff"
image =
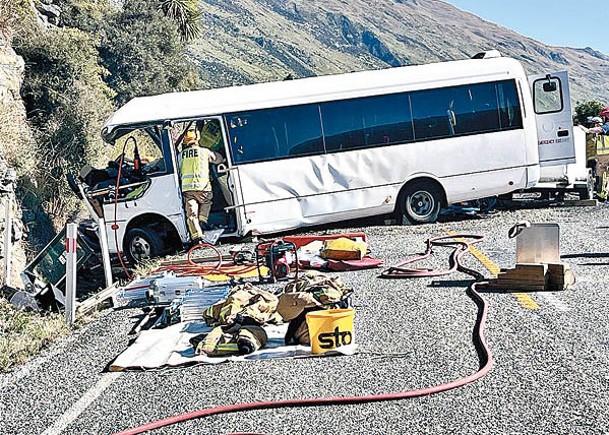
(261, 40)
(14, 132)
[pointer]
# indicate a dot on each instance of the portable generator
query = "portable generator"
(279, 257)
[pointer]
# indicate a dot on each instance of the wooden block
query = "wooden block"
(560, 276)
(511, 286)
(534, 277)
(519, 275)
(531, 267)
(525, 272)
(524, 277)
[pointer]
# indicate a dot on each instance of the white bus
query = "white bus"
(404, 141)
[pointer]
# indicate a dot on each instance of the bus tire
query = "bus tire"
(141, 244)
(420, 203)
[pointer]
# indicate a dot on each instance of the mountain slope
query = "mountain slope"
(262, 40)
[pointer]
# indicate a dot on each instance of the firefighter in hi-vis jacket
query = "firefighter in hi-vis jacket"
(196, 183)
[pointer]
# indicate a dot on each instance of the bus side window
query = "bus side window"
(210, 135)
(509, 106)
(478, 111)
(343, 125)
(275, 133)
(367, 122)
(429, 111)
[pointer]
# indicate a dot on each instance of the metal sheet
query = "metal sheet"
(538, 243)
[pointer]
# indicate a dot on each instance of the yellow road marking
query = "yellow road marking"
(524, 299)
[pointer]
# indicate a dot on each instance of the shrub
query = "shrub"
(586, 109)
(67, 103)
(13, 12)
(86, 15)
(142, 51)
(23, 335)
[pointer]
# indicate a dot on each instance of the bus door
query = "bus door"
(225, 179)
(230, 188)
(552, 105)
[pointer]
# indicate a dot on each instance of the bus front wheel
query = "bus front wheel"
(420, 203)
(141, 244)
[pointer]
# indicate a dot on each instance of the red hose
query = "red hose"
(115, 225)
(398, 271)
(196, 269)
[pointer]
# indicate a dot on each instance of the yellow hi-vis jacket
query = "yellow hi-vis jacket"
(194, 168)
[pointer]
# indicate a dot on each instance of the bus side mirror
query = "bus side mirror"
(549, 86)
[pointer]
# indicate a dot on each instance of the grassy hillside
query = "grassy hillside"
(262, 40)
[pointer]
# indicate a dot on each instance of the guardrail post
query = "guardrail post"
(8, 239)
(71, 259)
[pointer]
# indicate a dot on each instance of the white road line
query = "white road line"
(75, 410)
(552, 300)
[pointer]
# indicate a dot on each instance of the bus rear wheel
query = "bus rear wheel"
(141, 244)
(420, 203)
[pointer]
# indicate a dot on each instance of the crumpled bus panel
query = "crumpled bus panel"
(332, 188)
(286, 194)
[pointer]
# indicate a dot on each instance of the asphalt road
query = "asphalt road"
(550, 372)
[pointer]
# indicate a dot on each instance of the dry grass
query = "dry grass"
(16, 142)
(7, 19)
(13, 13)
(23, 335)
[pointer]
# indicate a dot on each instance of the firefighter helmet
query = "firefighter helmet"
(596, 120)
(190, 137)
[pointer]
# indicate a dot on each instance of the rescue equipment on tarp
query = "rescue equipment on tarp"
(461, 247)
(279, 257)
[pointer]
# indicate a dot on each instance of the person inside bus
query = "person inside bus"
(196, 183)
(211, 138)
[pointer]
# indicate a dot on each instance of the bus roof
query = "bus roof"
(156, 109)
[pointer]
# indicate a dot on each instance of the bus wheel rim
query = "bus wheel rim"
(140, 248)
(421, 203)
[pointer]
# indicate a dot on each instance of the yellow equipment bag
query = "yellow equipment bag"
(344, 249)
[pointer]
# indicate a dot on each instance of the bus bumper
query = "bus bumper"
(533, 174)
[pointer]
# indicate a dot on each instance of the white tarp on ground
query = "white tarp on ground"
(170, 347)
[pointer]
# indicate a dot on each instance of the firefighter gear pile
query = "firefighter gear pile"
(244, 301)
(311, 292)
(230, 340)
(238, 320)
